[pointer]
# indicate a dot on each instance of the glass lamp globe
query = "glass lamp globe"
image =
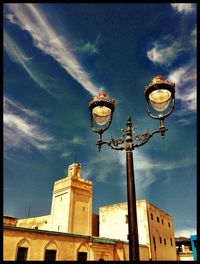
(101, 108)
(160, 99)
(159, 93)
(101, 115)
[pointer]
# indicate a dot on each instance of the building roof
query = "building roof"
(124, 204)
(9, 217)
(103, 240)
(181, 239)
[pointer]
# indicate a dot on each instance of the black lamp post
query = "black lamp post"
(160, 96)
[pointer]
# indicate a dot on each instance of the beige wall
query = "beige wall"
(113, 225)
(71, 209)
(80, 216)
(161, 230)
(60, 205)
(112, 221)
(67, 246)
(40, 222)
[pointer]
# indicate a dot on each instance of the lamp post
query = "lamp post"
(160, 97)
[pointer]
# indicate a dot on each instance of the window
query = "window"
(82, 256)
(22, 253)
(154, 242)
(169, 224)
(126, 219)
(162, 222)
(158, 219)
(164, 241)
(160, 240)
(50, 254)
(151, 216)
(171, 241)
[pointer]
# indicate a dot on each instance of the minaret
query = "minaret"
(71, 210)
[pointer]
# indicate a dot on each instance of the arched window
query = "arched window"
(23, 250)
(82, 252)
(51, 250)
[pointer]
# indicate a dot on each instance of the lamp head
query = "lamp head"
(102, 108)
(159, 93)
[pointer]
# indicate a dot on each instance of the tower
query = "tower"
(71, 209)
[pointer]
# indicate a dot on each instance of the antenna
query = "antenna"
(29, 208)
(74, 158)
(65, 170)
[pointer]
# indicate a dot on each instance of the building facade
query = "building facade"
(155, 228)
(40, 245)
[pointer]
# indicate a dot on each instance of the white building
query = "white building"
(155, 228)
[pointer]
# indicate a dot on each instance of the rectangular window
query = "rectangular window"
(162, 222)
(151, 216)
(165, 241)
(126, 219)
(50, 254)
(171, 241)
(82, 256)
(158, 220)
(160, 240)
(22, 253)
(169, 224)
(154, 242)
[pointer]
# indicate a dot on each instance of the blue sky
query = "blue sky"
(56, 58)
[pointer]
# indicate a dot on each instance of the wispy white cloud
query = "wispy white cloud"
(89, 48)
(161, 54)
(65, 154)
(18, 55)
(185, 232)
(165, 51)
(193, 35)
(20, 131)
(186, 87)
(185, 8)
(9, 104)
(31, 19)
(78, 140)
(145, 169)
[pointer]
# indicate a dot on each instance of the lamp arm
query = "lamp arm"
(113, 144)
(147, 135)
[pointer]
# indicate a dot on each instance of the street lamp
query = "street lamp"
(160, 97)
